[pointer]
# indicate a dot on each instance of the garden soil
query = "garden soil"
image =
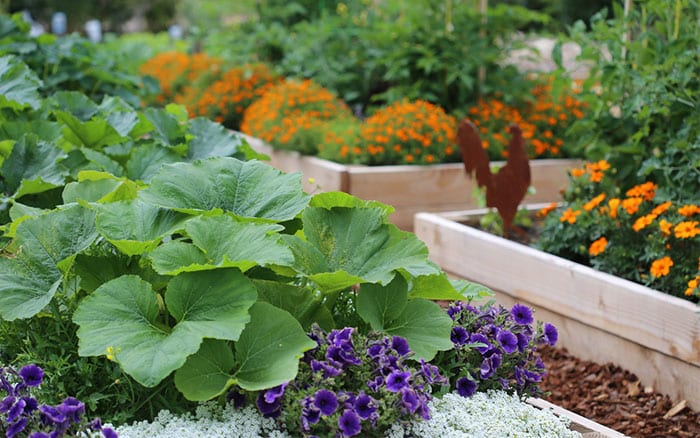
(615, 398)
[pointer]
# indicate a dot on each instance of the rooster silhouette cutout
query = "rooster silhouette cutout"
(506, 188)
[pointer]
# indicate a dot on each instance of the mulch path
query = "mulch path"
(615, 398)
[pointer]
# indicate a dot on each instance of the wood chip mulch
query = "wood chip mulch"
(615, 398)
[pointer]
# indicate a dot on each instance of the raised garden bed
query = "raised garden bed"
(410, 189)
(600, 317)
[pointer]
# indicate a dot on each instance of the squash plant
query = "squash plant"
(214, 269)
(46, 143)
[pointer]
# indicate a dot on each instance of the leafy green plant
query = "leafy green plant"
(152, 286)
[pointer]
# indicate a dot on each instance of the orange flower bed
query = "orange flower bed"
(289, 115)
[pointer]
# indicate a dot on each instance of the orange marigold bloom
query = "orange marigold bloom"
(692, 286)
(613, 204)
(661, 267)
(646, 191)
(687, 229)
(661, 208)
(643, 221)
(597, 176)
(631, 205)
(665, 227)
(598, 246)
(546, 210)
(578, 172)
(593, 203)
(569, 216)
(689, 210)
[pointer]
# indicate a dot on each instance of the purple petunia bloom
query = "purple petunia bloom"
(326, 401)
(431, 373)
(273, 394)
(376, 384)
(72, 408)
(375, 350)
(400, 345)
(339, 356)
(365, 406)
(479, 338)
(268, 410)
(551, 334)
(397, 380)
(459, 336)
(39, 435)
(51, 415)
(16, 427)
(7, 403)
(108, 432)
(523, 341)
(466, 387)
(508, 341)
(31, 404)
(410, 400)
(340, 337)
(489, 366)
(521, 314)
(32, 375)
(236, 398)
(16, 410)
(349, 423)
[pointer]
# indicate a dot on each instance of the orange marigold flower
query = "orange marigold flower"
(689, 210)
(596, 176)
(643, 221)
(546, 210)
(569, 216)
(631, 205)
(661, 267)
(593, 203)
(646, 191)
(665, 227)
(578, 172)
(687, 229)
(613, 204)
(692, 286)
(661, 208)
(598, 246)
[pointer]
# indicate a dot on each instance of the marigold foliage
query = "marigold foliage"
(288, 115)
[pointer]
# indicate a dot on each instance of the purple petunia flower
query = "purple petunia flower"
(108, 432)
(400, 345)
(326, 401)
(479, 338)
(32, 375)
(375, 350)
(51, 415)
(340, 337)
(521, 314)
(349, 423)
(466, 387)
(16, 427)
(376, 384)
(268, 410)
(459, 336)
(489, 366)
(31, 404)
(410, 400)
(508, 341)
(72, 408)
(431, 373)
(7, 403)
(16, 410)
(551, 334)
(236, 398)
(523, 341)
(273, 394)
(365, 406)
(39, 435)
(397, 380)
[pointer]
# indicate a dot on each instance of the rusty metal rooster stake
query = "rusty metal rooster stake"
(505, 189)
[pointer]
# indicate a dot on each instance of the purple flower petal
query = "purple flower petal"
(397, 380)
(551, 334)
(459, 336)
(400, 345)
(365, 406)
(272, 394)
(72, 408)
(326, 401)
(466, 387)
(16, 410)
(349, 423)
(268, 410)
(522, 314)
(16, 427)
(32, 375)
(409, 399)
(508, 341)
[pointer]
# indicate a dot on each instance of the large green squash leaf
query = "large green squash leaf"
(436, 287)
(329, 200)
(147, 159)
(355, 245)
(44, 129)
(33, 167)
(210, 139)
(135, 227)
(94, 133)
(122, 317)
(19, 86)
(301, 302)
(224, 242)
(267, 353)
(47, 245)
(246, 188)
(423, 323)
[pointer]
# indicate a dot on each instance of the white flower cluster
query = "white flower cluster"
(210, 420)
(484, 415)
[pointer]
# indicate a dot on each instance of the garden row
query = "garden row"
(119, 297)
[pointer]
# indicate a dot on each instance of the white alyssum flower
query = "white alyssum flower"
(483, 415)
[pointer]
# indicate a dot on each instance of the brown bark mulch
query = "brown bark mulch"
(615, 398)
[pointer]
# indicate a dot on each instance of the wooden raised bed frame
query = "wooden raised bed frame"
(600, 317)
(410, 189)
